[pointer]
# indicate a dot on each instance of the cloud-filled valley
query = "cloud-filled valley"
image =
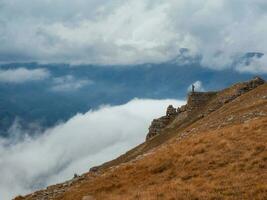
(82, 142)
(80, 81)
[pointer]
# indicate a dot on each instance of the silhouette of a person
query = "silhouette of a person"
(193, 88)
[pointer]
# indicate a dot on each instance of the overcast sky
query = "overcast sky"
(133, 31)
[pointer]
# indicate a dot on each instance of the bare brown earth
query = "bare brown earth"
(220, 155)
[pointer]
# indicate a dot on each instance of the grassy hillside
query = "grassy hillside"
(221, 155)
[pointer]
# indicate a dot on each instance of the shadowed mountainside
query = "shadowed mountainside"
(213, 148)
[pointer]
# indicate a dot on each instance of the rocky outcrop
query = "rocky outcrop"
(171, 112)
(196, 101)
(159, 124)
(255, 82)
(242, 88)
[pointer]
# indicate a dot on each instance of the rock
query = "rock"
(19, 198)
(171, 111)
(94, 169)
(262, 114)
(159, 124)
(228, 99)
(88, 198)
(183, 108)
(200, 116)
(65, 185)
(256, 81)
(197, 99)
(211, 109)
(230, 118)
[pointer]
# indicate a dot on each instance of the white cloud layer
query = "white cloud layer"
(83, 141)
(133, 31)
(68, 83)
(21, 75)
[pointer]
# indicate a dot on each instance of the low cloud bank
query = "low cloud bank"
(21, 75)
(68, 83)
(83, 141)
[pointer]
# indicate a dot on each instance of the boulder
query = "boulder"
(171, 111)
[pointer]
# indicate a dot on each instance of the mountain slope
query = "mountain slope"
(217, 150)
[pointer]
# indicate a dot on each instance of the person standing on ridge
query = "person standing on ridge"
(193, 88)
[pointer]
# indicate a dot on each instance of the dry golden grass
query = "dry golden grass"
(227, 160)
(230, 163)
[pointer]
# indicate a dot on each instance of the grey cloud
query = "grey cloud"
(68, 83)
(133, 31)
(256, 65)
(21, 75)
